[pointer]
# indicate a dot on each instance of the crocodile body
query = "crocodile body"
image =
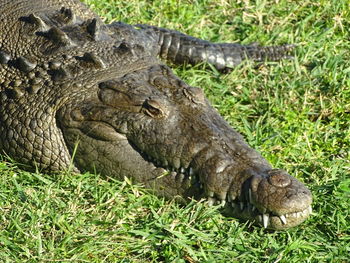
(78, 94)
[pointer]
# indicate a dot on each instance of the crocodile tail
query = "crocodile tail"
(269, 53)
(180, 48)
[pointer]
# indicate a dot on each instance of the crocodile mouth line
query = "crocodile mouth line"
(239, 207)
(264, 217)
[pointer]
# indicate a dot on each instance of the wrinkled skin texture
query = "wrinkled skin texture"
(94, 97)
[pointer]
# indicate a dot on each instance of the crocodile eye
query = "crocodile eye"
(154, 109)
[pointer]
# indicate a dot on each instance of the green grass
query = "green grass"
(296, 113)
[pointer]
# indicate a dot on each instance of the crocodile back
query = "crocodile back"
(32, 50)
(54, 53)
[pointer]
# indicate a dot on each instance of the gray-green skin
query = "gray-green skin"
(76, 93)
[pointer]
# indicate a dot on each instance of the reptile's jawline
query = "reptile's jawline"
(71, 85)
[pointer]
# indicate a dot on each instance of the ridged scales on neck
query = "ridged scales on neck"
(59, 50)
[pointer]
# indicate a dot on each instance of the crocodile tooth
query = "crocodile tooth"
(223, 203)
(250, 195)
(283, 219)
(210, 193)
(211, 201)
(232, 197)
(221, 195)
(253, 208)
(265, 220)
(182, 170)
(191, 171)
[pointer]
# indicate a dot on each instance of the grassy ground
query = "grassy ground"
(296, 112)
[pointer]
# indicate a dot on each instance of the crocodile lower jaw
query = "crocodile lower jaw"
(267, 219)
(243, 209)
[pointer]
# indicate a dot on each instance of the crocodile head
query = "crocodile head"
(150, 126)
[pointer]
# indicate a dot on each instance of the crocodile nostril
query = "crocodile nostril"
(279, 178)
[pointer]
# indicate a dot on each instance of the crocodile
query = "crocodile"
(81, 95)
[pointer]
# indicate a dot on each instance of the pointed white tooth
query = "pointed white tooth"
(232, 196)
(265, 220)
(241, 205)
(283, 219)
(253, 208)
(221, 196)
(211, 201)
(182, 170)
(191, 171)
(223, 203)
(250, 195)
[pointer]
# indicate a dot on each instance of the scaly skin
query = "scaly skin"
(72, 88)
